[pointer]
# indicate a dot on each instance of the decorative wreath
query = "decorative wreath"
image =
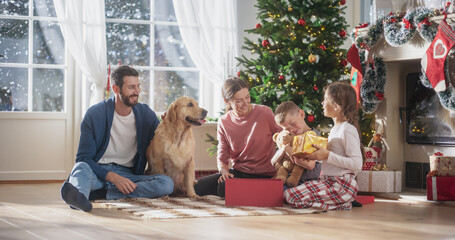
(395, 35)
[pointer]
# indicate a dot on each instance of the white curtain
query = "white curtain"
(84, 29)
(208, 29)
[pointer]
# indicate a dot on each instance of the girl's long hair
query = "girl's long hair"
(344, 95)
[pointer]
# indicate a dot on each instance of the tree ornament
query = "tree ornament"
(342, 33)
(281, 77)
(290, 9)
(315, 88)
(342, 2)
(312, 58)
(238, 73)
(265, 43)
(301, 22)
(258, 25)
(322, 47)
(310, 118)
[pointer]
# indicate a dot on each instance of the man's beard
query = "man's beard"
(126, 100)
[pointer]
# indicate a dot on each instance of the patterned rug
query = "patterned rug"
(208, 206)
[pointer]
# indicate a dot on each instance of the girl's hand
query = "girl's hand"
(320, 154)
(225, 175)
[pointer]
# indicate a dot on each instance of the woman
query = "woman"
(244, 140)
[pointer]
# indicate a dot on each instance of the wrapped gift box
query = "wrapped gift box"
(441, 188)
(379, 181)
(444, 165)
(302, 144)
(254, 192)
(363, 199)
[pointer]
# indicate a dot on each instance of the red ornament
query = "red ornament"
(258, 25)
(265, 43)
(301, 22)
(238, 74)
(342, 33)
(342, 2)
(281, 77)
(438, 154)
(322, 47)
(310, 118)
(344, 62)
(315, 88)
(379, 95)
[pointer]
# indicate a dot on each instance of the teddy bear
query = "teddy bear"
(286, 170)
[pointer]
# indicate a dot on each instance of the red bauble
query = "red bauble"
(315, 88)
(265, 43)
(342, 2)
(344, 62)
(342, 33)
(322, 47)
(238, 74)
(281, 77)
(310, 118)
(379, 95)
(258, 25)
(301, 22)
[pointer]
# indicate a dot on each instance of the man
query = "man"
(110, 161)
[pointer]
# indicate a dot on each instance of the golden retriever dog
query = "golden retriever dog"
(171, 151)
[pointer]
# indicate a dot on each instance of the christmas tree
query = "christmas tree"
(297, 54)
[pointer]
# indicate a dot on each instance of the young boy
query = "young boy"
(291, 118)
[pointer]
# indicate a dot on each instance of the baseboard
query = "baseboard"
(30, 181)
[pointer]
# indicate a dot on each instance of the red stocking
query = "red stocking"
(435, 56)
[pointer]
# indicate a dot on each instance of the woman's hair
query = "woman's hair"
(230, 87)
(344, 96)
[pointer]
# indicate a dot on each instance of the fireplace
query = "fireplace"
(427, 121)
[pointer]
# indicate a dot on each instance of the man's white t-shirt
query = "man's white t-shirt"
(122, 145)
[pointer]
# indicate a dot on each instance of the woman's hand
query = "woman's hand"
(320, 154)
(225, 174)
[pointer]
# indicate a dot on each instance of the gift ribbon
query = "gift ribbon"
(370, 182)
(435, 190)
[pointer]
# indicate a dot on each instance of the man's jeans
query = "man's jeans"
(153, 186)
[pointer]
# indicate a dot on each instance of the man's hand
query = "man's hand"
(225, 174)
(123, 184)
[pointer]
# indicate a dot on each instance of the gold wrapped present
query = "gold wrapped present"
(302, 144)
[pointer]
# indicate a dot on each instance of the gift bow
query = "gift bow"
(424, 21)
(438, 154)
(407, 24)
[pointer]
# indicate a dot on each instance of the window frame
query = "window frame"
(30, 65)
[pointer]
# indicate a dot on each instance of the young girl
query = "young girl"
(342, 159)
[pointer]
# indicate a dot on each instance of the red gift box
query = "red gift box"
(363, 199)
(254, 192)
(441, 188)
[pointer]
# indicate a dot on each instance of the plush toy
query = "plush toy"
(286, 170)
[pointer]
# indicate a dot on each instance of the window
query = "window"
(145, 34)
(32, 57)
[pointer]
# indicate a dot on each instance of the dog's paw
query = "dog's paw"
(193, 195)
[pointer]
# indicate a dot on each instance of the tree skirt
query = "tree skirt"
(207, 206)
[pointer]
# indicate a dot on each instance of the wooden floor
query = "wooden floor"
(35, 211)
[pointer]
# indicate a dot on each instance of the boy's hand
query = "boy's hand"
(320, 154)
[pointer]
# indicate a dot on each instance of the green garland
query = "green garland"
(373, 83)
(388, 27)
